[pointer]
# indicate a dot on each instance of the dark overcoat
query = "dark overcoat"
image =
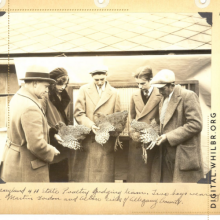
(55, 110)
(95, 163)
(182, 126)
(138, 171)
(27, 153)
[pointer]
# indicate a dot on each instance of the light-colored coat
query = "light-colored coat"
(27, 155)
(89, 102)
(95, 163)
(138, 171)
(182, 126)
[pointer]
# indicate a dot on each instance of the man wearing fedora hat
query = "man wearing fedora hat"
(95, 163)
(179, 152)
(27, 153)
(144, 107)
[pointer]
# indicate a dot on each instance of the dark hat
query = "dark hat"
(57, 73)
(38, 73)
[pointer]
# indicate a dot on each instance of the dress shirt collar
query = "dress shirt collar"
(150, 90)
(170, 95)
(102, 89)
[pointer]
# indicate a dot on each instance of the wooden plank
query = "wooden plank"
(3, 115)
(106, 53)
(3, 82)
(9, 94)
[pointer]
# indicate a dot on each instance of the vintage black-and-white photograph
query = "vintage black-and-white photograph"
(105, 98)
(107, 119)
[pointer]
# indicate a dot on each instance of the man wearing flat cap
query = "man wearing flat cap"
(27, 153)
(179, 158)
(96, 162)
(144, 107)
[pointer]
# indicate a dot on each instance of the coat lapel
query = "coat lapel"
(160, 108)
(151, 103)
(25, 93)
(173, 103)
(161, 104)
(105, 96)
(138, 101)
(93, 93)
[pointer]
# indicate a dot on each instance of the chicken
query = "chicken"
(146, 134)
(72, 135)
(110, 125)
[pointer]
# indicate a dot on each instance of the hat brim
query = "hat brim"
(98, 71)
(39, 79)
(158, 85)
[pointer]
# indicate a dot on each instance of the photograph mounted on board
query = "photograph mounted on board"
(108, 111)
(97, 106)
(115, 119)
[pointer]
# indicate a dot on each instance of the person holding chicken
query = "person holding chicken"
(179, 158)
(144, 107)
(27, 153)
(96, 162)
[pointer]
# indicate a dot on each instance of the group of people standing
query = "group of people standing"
(34, 151)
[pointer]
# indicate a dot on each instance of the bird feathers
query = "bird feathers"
(149, 132)
(71, 135)
(145, 133)
(110, 125)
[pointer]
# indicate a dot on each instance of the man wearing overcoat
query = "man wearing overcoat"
(180, 157)
(27, 153)
(95, 163)
(144, 107)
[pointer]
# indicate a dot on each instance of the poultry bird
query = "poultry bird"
(72, 135)
(110, 125)
(146, 134)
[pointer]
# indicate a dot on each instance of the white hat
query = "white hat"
(99, 69)
(162, 78)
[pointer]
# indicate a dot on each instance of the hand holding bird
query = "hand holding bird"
(110, 125)
(145, 133)
(70, 136)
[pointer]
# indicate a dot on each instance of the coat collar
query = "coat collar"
(62, 104)
(154, 100)
(93, 93)
(173, 103)
(25, 93)
(138, 100)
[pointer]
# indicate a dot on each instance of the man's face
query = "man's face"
(144, 85)
(165, 91)
(41, 88)
(99, 80)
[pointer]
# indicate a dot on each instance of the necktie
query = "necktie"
(145, 96)
(145, 93)
(164, 109)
